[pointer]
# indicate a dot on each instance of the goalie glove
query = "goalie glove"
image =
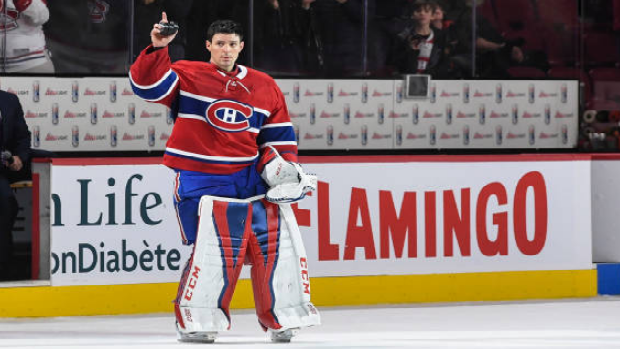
(287, 180)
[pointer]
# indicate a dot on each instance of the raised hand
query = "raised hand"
(17, 164)
(274, 4)
(157, 39)
(305, 4)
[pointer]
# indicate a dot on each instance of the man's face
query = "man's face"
(225, 49)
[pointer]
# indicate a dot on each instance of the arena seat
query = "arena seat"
(559, 21)
(605, 74)
(526, 73)
(561, 14)
(601, 49)
(518, 19)
(487, 10)
(605, 88)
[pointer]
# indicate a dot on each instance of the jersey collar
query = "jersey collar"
(238, 72)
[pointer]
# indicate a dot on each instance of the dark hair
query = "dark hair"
(225, 26)
(423, 4)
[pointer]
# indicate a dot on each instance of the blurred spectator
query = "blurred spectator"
(89, 36)
(22, 47)
(616, 12)
(616, 23)
(389, 20)
(342, 30)
(287, 38)
(439, 19)
(494, 54)
(313, 59)
(422, 47)
(147, 12)
(14, 154)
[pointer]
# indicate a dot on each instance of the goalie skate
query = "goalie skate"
(197, 337)
(283, 336)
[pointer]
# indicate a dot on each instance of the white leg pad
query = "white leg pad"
(203, 320)
(199, 303)
(293, 307)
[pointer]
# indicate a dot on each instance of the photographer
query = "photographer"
(14, 150)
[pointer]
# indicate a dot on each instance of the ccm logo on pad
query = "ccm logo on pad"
(191, 285)
(229, 116)
(303, 263)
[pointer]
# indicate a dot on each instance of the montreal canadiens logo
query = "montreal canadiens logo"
(229, 116)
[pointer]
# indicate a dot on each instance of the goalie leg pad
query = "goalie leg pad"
(211, 274)
(279, 269)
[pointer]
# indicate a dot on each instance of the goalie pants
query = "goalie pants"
(190, 186)
(231, 231)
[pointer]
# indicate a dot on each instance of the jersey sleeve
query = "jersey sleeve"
(278, 131)
(152, 77)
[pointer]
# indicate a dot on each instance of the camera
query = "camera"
(168, 28)
(6, 157)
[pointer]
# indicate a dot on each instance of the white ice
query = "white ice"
(583, 323)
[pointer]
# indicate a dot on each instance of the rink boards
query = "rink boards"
(326, 291)
(378, 230)
(103, 114)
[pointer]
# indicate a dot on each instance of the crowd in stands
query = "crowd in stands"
(332, 38)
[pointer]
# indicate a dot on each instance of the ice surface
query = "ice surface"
(584, 323)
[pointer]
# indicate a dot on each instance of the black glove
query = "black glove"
(169, 28)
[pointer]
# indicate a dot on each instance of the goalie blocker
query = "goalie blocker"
(230, 230)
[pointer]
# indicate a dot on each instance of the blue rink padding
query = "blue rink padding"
(608, 278)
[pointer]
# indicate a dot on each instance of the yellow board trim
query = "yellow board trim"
(327, 291)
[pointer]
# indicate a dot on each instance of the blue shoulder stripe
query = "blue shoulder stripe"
(158, 90)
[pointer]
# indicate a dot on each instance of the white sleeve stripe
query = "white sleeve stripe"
(146, 87)
(263, 111)
(254, 198)
(176, 81)
(202, 98)
(253, 130)
(212, 158)
(278, 143)
(283, 124)
(191, 116)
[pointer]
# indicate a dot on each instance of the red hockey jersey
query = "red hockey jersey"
(223, 120)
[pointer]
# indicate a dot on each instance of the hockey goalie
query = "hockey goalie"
(234, 153)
